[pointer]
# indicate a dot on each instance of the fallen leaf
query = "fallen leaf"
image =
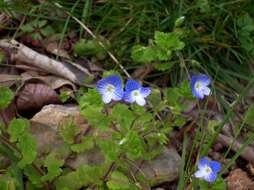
(35, 96)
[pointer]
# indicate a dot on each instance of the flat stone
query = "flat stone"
(164, 168)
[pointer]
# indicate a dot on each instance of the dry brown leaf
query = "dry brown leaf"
(35, 96)
(239, 180)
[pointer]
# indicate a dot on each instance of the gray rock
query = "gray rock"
(164, 168)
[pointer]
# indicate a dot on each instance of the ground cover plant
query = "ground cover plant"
(129, 94)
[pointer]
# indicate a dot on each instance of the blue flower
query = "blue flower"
(207, 169)
(199, 86)
(110, 88)
(134, 92)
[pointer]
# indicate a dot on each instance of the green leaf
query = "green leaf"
(27, 28)
(16, 173)
(36, 36)
(41, 23)
(143, 54)
(91, 174)
(70, 181)
(7, 183)
(203, 6)
(31, 186)
(155, 97)
(249, 116)
(83, 176)
(168, 41)
(179, 121)
(185, 89)
(109, 148)
(212, 124)
(33, 175)
(96, 118)
(134, 146)
(91, 107)
(172, 95)
(110, 72)
(64, 96)
(118, 181)
(122, 115)
(245, 23)
(6, 96)
(69, 131)
(163, 66)
(179, 21)
(27, 146)
(48, 30)
(164, 55)
(89, 48)
(87, 143)
(53, 166)
(219, 184)
(91, 98)
(17, 128)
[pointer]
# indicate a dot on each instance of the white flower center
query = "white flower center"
(198, 85)
(207, 170)
(135, 93)
(110, 88)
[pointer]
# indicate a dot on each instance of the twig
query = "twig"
(95, 37)
(24, 54)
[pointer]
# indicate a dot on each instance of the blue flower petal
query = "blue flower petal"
(203, 162)
(118, 95)
(197, 94)
(204, 79)
(106, 98)
(100, 87)
(132, 85)
(216, 166)
(211, 178)
(145, 91)
(193, 81)
(114, 80)
(128, 97)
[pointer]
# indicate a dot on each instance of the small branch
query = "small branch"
(24, 54)
(95, 37)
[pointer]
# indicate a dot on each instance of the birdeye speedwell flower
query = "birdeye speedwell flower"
(110, 88)
(134, 92)
(199, 86)
(207, 169)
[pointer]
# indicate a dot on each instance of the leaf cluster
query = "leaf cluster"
(246, 31)
(132, 133)
(160, 50)
(38, 29)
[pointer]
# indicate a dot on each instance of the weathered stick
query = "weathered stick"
(23, 53)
